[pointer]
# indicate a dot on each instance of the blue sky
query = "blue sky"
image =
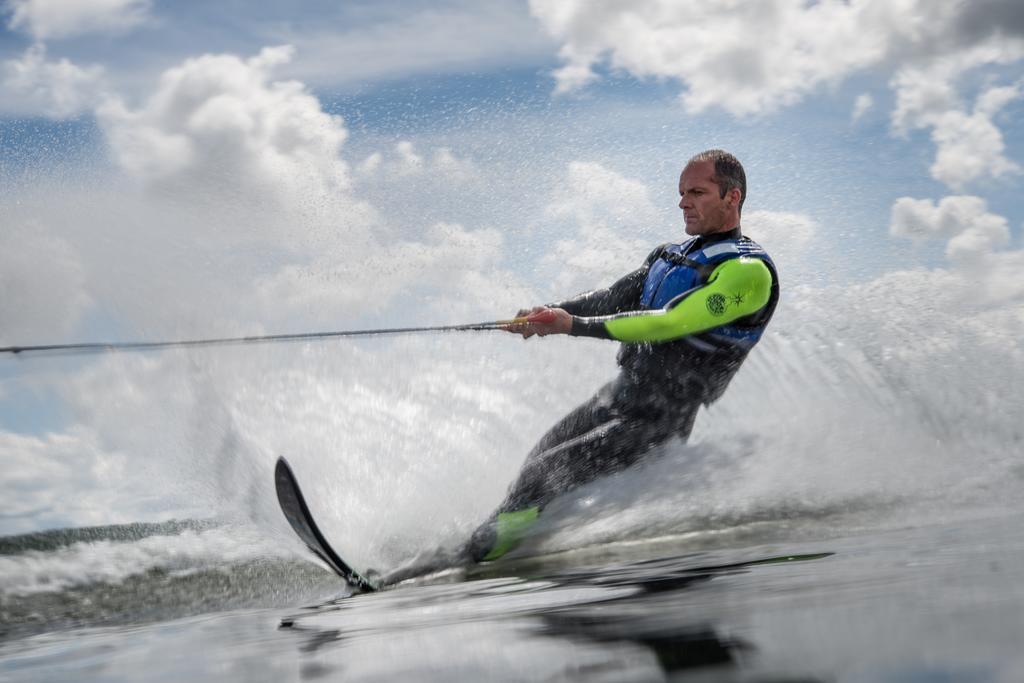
(194, 169)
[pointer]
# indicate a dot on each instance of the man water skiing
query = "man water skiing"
(686, 318)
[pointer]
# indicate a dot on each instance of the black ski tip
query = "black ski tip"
(296, 511)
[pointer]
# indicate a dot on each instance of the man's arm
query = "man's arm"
(623, 295)
(736, 288)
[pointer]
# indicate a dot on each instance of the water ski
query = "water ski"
(293, 505)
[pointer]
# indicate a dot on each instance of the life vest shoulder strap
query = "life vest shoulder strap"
(710, 256)
(704, 270)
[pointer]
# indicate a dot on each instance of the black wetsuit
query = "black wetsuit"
(655, 397)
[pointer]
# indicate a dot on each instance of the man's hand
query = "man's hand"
(562, 323)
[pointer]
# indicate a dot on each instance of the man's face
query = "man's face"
(705, 211)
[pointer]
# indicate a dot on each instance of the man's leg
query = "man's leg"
(607, 434)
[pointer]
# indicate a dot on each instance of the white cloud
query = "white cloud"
(1003, 289)
(222, 176)
(750, 58)
(452, 167)
(43, 284)
(403, 39)
(222, 120)
(612, 223)
(973, 232)
(922, 219)
(743, 57)
(993, 100)
(861, 106)
(926, 88)
(785, 236)
(409, 162)
(922, 95)
(406, 162)
(55, 19)
(33, 86)
(228, 155)
(234, 208)
(592, 194)
(969, 145)
(48, 481)
(371, 164)
(982, 238)
(458, 268)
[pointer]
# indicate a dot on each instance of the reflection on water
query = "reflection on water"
(679, 642)
(620, 608)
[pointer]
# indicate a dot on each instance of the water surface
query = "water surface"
(921, 602)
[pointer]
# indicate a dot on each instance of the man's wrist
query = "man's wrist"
(589, 327)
